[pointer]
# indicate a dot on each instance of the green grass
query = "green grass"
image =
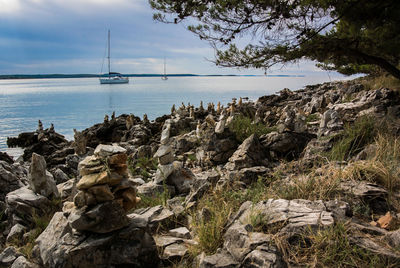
(142, 166)
(353, 139)
(312, 118)
(243, 127)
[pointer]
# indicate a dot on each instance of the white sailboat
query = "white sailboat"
(113, 77)
(164, 77)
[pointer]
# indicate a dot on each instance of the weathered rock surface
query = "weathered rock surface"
(11, 178)
(60, 247)
(250, 153)
(40, 180)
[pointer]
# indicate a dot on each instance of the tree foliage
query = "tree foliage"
(351, 36)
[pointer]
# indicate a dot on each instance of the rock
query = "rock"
(67, 189)
(40, 180)
(331, 123)
(250, 175)
(182, 179)
(104, 177)
(363, 189)
(102, 218)
(152, 189)
(287, 145)
(370, 245)
(16, 233)
(103, 150)
(264, 256)
(10, 178)
(181, 232)
(218, 260)
(59, 247)
(163, 171)
(165, 132)
(60, 176)
(174, 252)
(249, 154)
(22, 203)
(22, 262)
(393, 238)
(80, 142)
(151, 216)
(6, 158)
(8, 256)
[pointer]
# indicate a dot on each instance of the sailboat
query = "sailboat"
(164, 77)
(113, 77)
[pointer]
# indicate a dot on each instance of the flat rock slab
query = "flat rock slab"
(181, 232)
(103, 150)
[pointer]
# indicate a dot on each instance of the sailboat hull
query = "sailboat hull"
(114, 81)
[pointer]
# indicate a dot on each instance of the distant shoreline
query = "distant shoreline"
(44, 76)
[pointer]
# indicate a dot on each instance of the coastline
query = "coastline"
(213, 180)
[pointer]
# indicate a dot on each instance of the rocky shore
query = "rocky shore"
(300, 178)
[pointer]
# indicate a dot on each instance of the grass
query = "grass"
(329, 247)
(39, 224)
(376, 82)
(142, 166)
(312, 118)
(383, 167)
(243, 127)
(353, 139)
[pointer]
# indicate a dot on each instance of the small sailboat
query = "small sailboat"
(113, 77)
(164, 77)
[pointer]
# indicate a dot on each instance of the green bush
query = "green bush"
(243, 127)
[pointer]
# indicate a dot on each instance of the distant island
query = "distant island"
(42, 76)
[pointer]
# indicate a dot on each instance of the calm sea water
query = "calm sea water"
(81, 102)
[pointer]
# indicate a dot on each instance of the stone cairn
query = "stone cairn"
(105, 193)
(164, 154)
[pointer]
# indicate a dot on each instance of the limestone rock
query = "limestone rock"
(10, 178)
(59, 247)
(60, 176)
(103, 150)
(163, 172)
(182, 179)
(67, 189)
(102, 218)
(8, 256)
(16, 232)
(22, 262)
(22, 203)
(285, 145)
(250, 153)
(218, 260)
(104, 177)
(40, 180)
(181, 232)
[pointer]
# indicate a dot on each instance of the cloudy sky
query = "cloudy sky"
(69, 36)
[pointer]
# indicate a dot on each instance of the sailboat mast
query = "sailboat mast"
(165, 72)
(108, 53)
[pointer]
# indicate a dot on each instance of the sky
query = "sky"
(70, 36)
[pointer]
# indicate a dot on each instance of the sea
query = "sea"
(79, 103)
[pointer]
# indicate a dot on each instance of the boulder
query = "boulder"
(22, 262)
(40, 180)
(287, 145)
(182, 179)
(102, 218)
(10, 178)
(59, 247)
(22, 203)
(250, 153)
(8, 256)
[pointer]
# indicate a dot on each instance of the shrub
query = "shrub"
(243, 127)
(142, 166)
